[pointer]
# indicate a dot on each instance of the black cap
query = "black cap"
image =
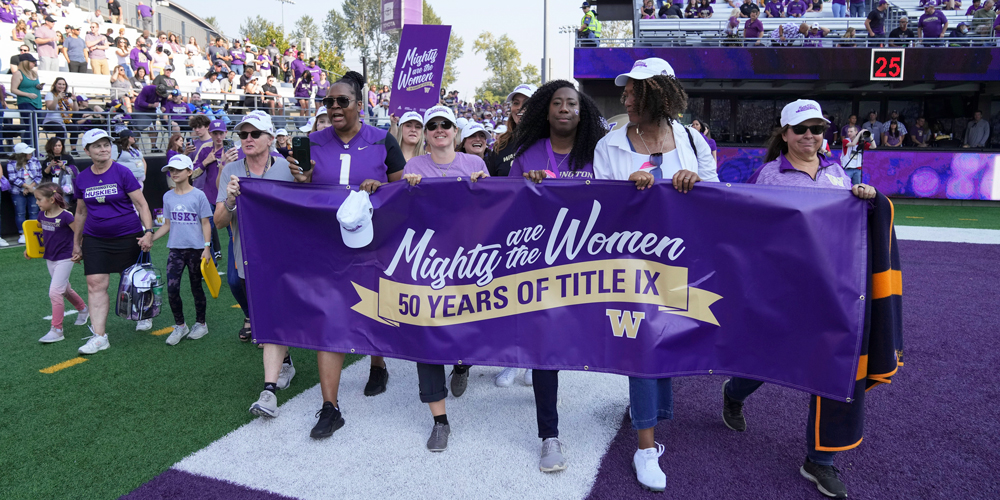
(50, 19)
(27, 57)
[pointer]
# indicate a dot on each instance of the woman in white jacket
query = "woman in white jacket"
(654, 145)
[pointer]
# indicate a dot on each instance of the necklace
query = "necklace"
(638, 132)
(444, 172)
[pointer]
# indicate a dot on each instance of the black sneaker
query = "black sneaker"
(825, 478)
(732, 411)
(329, 421)
(378, 377)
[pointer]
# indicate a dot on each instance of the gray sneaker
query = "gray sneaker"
(198, 331)
(180, 331)
(552, 456)
(439, 437)
(266, 406)
(285, 376)
(459, 382)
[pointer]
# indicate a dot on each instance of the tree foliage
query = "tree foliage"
(260, 31)
(326, 53)
(359, 27)
(456, 46)
(503, 61)
(211, 21)
(618, 31)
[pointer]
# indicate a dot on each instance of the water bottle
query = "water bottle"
(157, 290)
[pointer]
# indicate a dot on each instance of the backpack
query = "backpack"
(140, 291)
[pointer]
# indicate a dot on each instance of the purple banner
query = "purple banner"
(757, 281)
(930, 174)
(796, 63)
(419, 68)
(398, 13)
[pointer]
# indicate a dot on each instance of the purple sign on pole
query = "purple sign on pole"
(755, 281)
(398, 13)
(419, 68)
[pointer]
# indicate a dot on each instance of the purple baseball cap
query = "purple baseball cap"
(217, 126)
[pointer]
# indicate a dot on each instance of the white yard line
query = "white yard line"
(948, 234)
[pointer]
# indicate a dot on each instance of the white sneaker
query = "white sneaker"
(266, 406)
(54, 335)
(94, 344)
(646, 464)
(3, 243)
(506, 377)
(20, 239)
(527, 377)
(82, 317)
(198, 331)
(146, 324)
(285, 375)
(180, 331)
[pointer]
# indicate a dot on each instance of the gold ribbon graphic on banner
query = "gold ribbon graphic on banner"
(613, 280)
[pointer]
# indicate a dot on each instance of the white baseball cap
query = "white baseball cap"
(93, 135)
(442, 111)
(180, 162)
(815, 26)
(280, 132)
(462, 123)
(258, 120)
(645, 68)
(471, 129)
(525, 89)
(24, 149)
(801, 110)
(355, 219)
(411, 116)
(502, 129)
(308, 126)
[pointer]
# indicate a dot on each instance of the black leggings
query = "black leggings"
(178, 259)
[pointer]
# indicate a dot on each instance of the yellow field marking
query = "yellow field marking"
(237, 306)
(912, 217)
(969, 219)
(163, 331)
(65, 364)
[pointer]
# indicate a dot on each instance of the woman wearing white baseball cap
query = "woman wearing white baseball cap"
(25, 173)
(409, 133)
(504, 148)
(109, 221)
(256, 134)
(654, 145)
(473, 142)
(794, 159)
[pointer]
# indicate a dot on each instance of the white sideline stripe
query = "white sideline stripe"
(67, 313)
(948, 234)
(381, 451)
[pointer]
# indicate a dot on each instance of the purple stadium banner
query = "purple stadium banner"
(822, 64)
(759, 281)
(928, 174)
(419, 68)
(398, 13)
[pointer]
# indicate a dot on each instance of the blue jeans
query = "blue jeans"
(128, 70)
(741, 388)
(651, 400)
(858, 10)
(238, 68)
(839, 10)
(854, 174)
(24, 208)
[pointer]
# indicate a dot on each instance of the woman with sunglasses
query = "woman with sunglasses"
(504, 148)
(654, 145)
(353, 153)
(794, 159)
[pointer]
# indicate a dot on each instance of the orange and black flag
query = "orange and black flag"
(836, 425)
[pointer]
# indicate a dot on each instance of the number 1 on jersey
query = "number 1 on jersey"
(345, 168)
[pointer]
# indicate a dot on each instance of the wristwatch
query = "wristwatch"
(150, 231)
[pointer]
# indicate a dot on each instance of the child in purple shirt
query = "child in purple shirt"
(57, 237)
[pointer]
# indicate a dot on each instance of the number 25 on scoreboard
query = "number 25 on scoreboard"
(887, 65)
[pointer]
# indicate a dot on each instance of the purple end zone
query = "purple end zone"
(174, 484)
(932, 433)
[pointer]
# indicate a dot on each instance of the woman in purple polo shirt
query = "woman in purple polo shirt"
(353, 153)
(110, 217)
(794, 159)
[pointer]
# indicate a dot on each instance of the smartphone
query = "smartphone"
(300, 151)
(189, 141)
(227, 144)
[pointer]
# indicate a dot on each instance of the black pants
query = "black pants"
(546, 386)
(78, 67)
(177, 260)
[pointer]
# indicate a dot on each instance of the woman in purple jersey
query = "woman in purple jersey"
(353, 153)
(707, 134)
(110, 216)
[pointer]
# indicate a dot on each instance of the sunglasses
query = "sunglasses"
(341, 101)
(255, 134)
(24, 50)
(815, 129)
(444, 124)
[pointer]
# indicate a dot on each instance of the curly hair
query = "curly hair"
(658, 97)
(355, 80)
(535, 124)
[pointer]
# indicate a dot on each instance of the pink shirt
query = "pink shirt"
(48, 49)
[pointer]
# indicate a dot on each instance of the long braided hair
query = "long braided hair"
(659, 97)
(535, 124)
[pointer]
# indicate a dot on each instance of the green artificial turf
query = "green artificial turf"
(948, 216)
(101, 428)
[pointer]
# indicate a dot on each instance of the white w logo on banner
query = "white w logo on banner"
(625, 324)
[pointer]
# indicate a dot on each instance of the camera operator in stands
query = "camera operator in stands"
(901, 36)
(853, 154)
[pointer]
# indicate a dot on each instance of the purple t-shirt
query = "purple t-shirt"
(795, 7)
(840, 2)
(264, 62)
(537, 157)
(110, 213)
(145, 10)
(780, 172)
(148, 100)
(932, 24)
(371, 154)
(239, 56)
(178, 111)
(705, 10)
(298, 67)
(773, 9)
(208, 180)
(57, 235)
(753, 28)
(972, 9)
(463, 166)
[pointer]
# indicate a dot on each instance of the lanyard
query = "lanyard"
(266, 167)
(552, 157)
